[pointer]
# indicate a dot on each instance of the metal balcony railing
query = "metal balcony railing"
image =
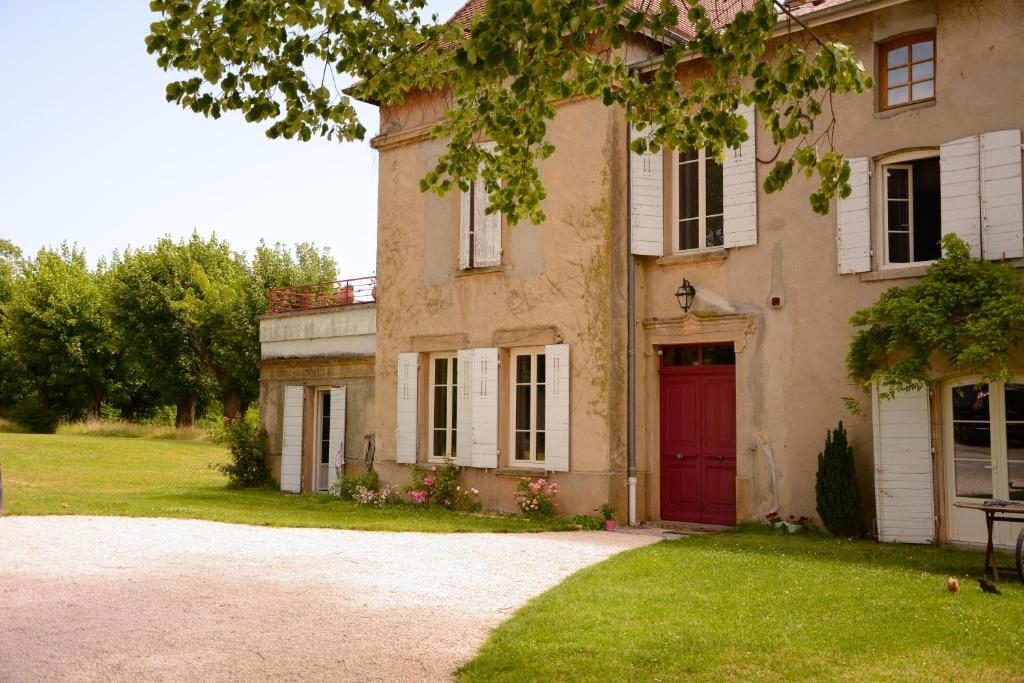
(360, 290)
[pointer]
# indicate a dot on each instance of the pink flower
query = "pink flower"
(418, 497)
(428, 482)
(433, 468)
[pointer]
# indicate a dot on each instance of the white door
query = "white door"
(984, 453)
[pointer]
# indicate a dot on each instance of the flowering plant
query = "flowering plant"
(440, 485)
(536, 497)
(387, 495)
(792, 523)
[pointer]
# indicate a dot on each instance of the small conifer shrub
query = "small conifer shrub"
(838, 496)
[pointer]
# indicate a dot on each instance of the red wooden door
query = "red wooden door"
(698, 443)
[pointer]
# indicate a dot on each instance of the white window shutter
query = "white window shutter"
(960, 191)
(464, 417)
(556, 408)
(854, 233)
(484, 396)
(407, 384)
(464, 210)
(487, 235)
(904, 498)
(1002, 211)
(739, 188)
(646, 196)
(336, 438)
(291, 439)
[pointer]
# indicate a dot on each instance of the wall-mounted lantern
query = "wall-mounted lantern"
(685, 295)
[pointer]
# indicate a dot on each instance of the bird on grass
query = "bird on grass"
(952, 585)
(989, 587)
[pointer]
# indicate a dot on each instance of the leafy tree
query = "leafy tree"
(501, 69)
(277, 266)
(154, 294)
(838, 495)
(967, 311)
(59, 335)
(14, 386)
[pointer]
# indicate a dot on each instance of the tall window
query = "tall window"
(528, 407)
(698, 202)
(444, 381)
(911, 209)
(907, 70)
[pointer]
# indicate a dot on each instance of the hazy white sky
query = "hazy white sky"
(91, 153)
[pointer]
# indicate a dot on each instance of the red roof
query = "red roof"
(720, 11)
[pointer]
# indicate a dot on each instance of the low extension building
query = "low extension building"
(509, 348)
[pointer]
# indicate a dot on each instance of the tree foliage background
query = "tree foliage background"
(169, 328)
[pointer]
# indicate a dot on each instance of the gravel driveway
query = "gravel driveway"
(86, 598)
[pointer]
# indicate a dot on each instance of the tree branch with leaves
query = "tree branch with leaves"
(502, 74)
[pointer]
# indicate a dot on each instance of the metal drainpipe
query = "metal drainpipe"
(630, 342)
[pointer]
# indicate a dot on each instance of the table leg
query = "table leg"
(990, 552)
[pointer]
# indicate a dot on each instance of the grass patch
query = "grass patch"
(132, 477)
(768, 607)
(134, 430)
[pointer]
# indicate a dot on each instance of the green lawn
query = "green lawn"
(132, 477)
(765, 607)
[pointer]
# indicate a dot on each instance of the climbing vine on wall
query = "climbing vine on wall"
(969, 312)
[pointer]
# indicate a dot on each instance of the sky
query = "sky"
(91, 153)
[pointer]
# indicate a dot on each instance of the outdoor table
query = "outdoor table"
(1000, 511)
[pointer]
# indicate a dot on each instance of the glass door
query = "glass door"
(984, 453)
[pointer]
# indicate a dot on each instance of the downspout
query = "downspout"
(630, 341)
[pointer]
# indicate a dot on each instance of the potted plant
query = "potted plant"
(608, 515)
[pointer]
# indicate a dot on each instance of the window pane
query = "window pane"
(924, 50)
(688, 234)
(689, 190)
(897, 57)
(540, 446)
(927, 215)
(541, 371)
(439, 443)
(721, 354)
(924, 90)
(455, 372)
(970, 403)
(1014, 402)
(325, 428)
(924, 71)
(522, 446)
(898, 96)
(523, 407)
(689, 155)
(973, 477)
(716, 231)
(713, 182)
(899, 215)
(897, 183)
(440, 371)
(522, 369)
(899, 247)
(440, 406)
(540, 407)
(675, 356)
(897, 76)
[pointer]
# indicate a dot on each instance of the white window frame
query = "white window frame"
(882, 212)
(452, 398)
(702, 217)
(533, 353)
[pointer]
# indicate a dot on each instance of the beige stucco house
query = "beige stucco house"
(519, 350)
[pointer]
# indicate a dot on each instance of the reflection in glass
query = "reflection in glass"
(921, 51)
(899, 95)
(674, 356)
(898, 76)
(722, 354)
(1014, 394)
(922, 72)
(897, 57)
(924, 90)
(972, 445)
(970, 402)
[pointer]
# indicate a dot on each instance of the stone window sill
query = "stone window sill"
(520, 472)
(470, 272)
(715, 255)
(894, 273)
